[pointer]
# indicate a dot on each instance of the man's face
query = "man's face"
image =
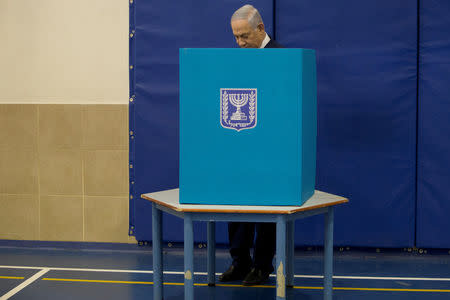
(246, 36)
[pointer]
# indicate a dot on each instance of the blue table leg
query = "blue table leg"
(281, 258)
(188, 257)
(290, 253)
(328, 255)
(211, 253)
(157, 253)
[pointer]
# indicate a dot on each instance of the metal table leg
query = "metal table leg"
(211, 253)
(281, 258)
(188, 257)
(157, 253)
(290, 254)
(328, 255)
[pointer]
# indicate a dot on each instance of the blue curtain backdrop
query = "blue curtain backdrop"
(366, 78)
(433, 197)
(367, 66)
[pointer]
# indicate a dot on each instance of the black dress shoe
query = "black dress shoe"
(256, 277)
(233, 273)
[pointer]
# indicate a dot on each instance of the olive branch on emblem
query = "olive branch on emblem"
(225, 107)
(252, 106)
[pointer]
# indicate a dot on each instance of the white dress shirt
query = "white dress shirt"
(265, 41)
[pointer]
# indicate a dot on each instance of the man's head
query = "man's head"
(248, 27)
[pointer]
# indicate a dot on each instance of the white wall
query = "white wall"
(64, 51)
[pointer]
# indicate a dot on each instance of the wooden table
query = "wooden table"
(283, 216)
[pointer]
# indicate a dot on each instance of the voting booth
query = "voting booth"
(248, 126)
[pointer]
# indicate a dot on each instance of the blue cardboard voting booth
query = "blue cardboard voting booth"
(248, 126)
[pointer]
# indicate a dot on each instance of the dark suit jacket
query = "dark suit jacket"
(273, 44)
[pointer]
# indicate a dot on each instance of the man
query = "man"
(248, 29)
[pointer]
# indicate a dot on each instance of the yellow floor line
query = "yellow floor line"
(96, 281)
(11, 277)
(372, 289)
(240, 285)
(391, 290)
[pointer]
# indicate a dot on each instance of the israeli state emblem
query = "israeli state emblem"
(238, 108)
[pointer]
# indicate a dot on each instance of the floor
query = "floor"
(84, 273)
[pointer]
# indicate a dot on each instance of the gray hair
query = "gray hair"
(249, 13)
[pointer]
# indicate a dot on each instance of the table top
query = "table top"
(170, 199)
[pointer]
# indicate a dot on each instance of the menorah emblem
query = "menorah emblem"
(245, 102)
(238, 100)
